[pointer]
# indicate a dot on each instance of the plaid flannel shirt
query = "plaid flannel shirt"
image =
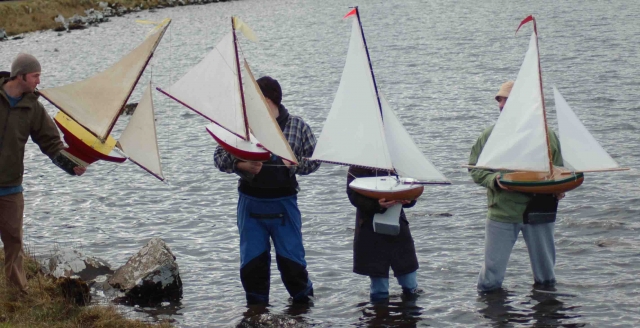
(300, 138)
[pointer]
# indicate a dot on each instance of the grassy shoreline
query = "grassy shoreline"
(46, 305)
(18, 17)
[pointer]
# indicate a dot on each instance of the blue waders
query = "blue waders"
(279, 219)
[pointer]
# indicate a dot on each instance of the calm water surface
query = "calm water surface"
(439, 63)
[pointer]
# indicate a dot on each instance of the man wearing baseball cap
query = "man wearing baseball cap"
(21, 116)
(510, 212)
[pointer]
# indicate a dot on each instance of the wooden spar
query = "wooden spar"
(113, 122)
(375, 85)
(544, 108)
(244, 108)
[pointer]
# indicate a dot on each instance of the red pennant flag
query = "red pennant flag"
(351, 13)
(524, 21)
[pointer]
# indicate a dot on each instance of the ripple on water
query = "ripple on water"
(439, 66)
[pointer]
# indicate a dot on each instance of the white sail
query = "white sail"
(139, 140)
(518, 140)
(353, 133)
(407, 159)
(579, 148)
(262, 124)
(95, 103)
(211, 88)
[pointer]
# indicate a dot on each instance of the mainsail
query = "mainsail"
(216, 89)
(211, 88)
(363, 130)
(139, 140)
(96, 103)
(518, 140)
(353, 133)
(580, 150)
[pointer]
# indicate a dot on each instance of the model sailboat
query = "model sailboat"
(90, 108)
(226, 93)
(362, 130)
(519, 141)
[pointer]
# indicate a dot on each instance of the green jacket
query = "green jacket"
(27, 119)
(505, 206)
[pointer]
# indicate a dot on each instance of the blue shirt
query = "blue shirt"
(13, 101)
(10, 190)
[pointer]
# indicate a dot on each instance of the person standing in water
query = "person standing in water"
(374, 253)
(268, 207)
(511, 212)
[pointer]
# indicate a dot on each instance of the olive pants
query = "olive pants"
(11, 211)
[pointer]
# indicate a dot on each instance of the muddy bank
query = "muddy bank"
(18, 17)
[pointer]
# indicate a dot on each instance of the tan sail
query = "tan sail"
(262, 124)
(96, 103)
(139, 140)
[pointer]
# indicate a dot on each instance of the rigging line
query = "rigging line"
(171, 54)
(224, 59)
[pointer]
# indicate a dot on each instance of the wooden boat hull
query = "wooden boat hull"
(386, 187)
(561, 180)
(84, 145)
(238, 147)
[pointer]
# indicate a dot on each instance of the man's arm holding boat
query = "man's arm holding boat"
(225, 162)
(44, 133)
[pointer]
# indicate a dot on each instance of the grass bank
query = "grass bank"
(46, 306)
(34, 15)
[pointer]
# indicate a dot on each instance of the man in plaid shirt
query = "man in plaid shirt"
(268, 207)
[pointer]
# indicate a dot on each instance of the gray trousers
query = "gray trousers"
(499, 240)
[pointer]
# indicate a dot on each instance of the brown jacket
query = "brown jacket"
(27, 119)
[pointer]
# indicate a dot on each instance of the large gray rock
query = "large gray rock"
(71, 263)
(151, 276)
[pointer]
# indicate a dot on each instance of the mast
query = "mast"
(244, 109)
(544, 108)
(366, 49)
(115, 119)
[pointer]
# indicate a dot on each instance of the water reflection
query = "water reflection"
(547, 311)
(398, 311)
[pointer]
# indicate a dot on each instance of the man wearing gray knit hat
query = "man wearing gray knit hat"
(21, 116)
(25, 64)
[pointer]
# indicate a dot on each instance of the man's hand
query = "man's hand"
(498, 182)
(404, 202)
(559, 196)
(79, 170)
(386, 204)
(250, 167)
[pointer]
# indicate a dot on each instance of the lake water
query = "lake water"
(439, 64)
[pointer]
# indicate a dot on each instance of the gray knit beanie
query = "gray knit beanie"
(24, 64)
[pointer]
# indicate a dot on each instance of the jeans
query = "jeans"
(379, 289)
(499, 240)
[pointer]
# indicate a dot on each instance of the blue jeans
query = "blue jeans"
(379, 289)
(499, 240)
